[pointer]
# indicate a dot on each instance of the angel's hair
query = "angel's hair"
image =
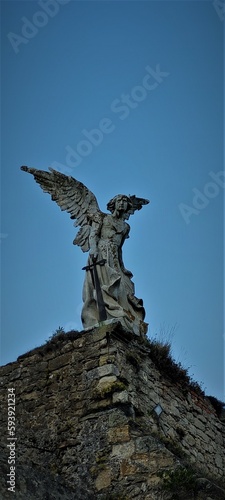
(112, 202)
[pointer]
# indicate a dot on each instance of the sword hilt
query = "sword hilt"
(91, 266)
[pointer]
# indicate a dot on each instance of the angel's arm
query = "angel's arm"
(120, 254)
(94, 239)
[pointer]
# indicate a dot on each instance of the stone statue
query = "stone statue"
(108, 291)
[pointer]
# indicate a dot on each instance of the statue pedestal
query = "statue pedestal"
(138, 329)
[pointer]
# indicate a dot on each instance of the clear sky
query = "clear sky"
(149, 77)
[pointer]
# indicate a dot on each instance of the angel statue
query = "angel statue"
(108, 291)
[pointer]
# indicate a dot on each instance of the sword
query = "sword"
(97, 286)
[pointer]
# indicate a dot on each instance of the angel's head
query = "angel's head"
(120, 203)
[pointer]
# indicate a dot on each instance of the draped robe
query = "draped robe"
(106, 240)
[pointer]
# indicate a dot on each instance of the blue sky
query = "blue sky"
(82, 66)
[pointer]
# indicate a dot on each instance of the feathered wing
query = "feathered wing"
(137, 204)
(72, 196)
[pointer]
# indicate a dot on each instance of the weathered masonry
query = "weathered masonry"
(87, 428)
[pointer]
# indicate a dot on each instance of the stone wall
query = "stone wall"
(86, 426)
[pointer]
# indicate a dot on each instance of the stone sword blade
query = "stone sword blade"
(95, 279)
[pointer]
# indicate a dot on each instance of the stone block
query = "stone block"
(103, 359)
(211, 434)
(121, 397)
(103, 480)
(219, 461)
(163, 461)
(103, 343)
(153, 480)
(117, 418)
(201, 458)
(141, 458)
(105, 382)
(127, 468)
(101, 371)
(106, 370)
(59, 361)
(79, 343)
(15, 374)
(91, 364)
(41, 366)
(135, 400)
(91, 375)
(174, 411)
(199, 424)
(31, 395)
(109, 351)
(189, 440)
(124, 450)
(99, 334)
(203, 436)
(106, 359)
(119, 434)
(146, 444)
(98, 405)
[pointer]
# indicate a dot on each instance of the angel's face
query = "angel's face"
(121, 203)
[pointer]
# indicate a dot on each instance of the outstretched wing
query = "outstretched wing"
(136, 204)
(72, 196)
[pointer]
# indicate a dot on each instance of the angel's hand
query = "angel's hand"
(94, 255)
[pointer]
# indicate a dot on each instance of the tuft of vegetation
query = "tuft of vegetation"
(166, 333)
(133, 358)
(52, 344)
(60, 330)
(181, 433)
(179, 482)
(171, 445)
(109, 389)
(57, 338)
(161, 356)
(218, 405)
